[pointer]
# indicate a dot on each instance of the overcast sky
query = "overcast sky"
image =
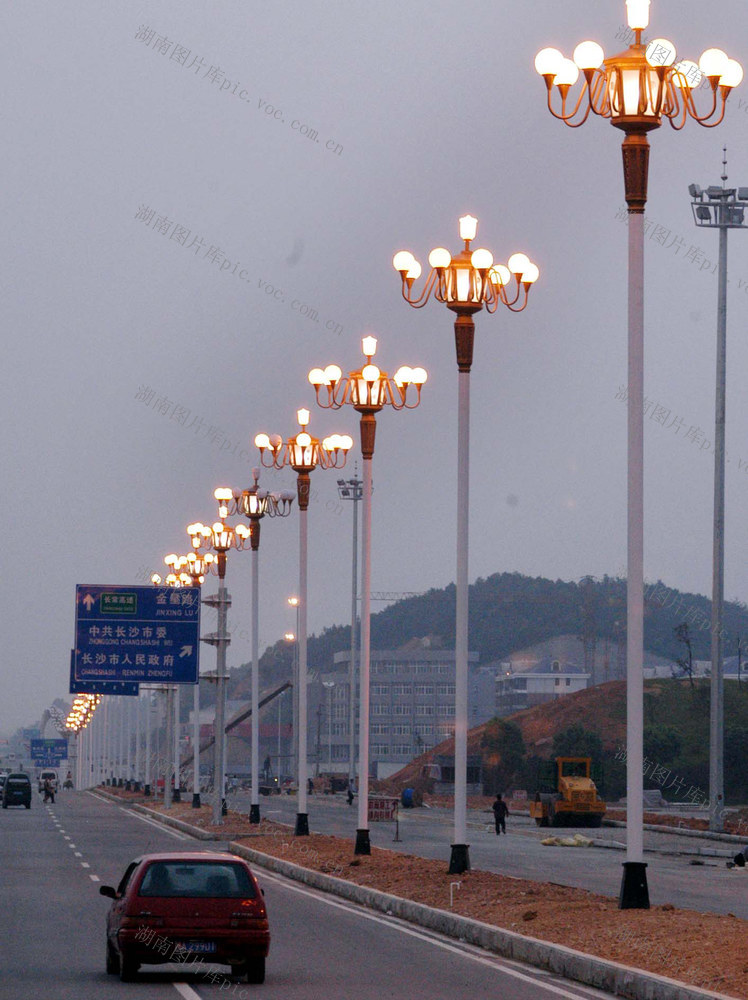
(148, 144)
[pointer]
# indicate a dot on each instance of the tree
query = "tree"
(503, 755)
(662, 744)
(576, 741)
(685, 661)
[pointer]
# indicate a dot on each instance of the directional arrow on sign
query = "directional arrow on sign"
(186, 651)
(89, 601)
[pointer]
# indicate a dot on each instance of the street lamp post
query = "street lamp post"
(367, 390)
(329, 685)
(254, 504)
(635, 89)
(351, 489)
(724, 209)
(465, 284)
(303, 453)
(219, 538)
(293, 602)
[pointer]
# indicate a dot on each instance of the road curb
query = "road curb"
(178, 824)
(678, 831)
(621, 980)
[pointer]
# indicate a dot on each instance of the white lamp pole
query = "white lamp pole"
(465, 284)
(303, 453)
(635, 89)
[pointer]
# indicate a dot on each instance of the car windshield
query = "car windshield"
(18, 781)
(198, 878)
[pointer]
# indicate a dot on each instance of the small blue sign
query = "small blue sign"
(141, 635)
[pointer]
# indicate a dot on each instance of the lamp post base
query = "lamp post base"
(254, 813)
(147, 790)
(363, 845)
(634, 892)
(136, 786)
(224, 807)
(459, 859)
(196, 800)
(176, 795)
(302, 825)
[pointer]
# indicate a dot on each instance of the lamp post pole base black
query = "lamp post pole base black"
(363, 845)
(634, 892)
(302, 825)
(459, 859)
(254, 813)
(147, 790)
(224, 807)
(176, 795)
(136, 786)
(196, 800)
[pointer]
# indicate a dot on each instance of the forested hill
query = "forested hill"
(509, 611)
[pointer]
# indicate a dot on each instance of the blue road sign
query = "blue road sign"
(126, 688)
(48, 753)
(145, 635)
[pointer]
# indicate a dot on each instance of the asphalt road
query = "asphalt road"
(709, 887)
(54, 858)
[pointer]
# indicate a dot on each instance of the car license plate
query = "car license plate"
(197, 946)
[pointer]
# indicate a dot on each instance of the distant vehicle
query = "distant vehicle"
(201, 903)
(17, 790)
(567, 795)
(52, 777)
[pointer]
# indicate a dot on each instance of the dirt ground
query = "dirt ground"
(702, 949)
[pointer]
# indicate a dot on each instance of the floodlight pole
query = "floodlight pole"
(729, 213)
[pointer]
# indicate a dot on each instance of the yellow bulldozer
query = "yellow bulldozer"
(567, 795)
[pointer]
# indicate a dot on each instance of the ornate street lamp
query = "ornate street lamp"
(636, 89)
(303, 453)
(254, 504)
(219, 538)
(367, 390)
(465, 284)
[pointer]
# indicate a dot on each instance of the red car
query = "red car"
(187, 907)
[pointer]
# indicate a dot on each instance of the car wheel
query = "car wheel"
(255, 970)
(112, 960)
(127, 969)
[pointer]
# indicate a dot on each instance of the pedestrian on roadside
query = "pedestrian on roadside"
(350, 795)
(49, 792)
(500, 813)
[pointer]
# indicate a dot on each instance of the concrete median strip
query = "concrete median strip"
(621, 980)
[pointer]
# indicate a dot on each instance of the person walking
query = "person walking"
(500, 813)
(49, 792)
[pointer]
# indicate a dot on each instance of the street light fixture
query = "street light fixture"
(219, 538)
(254, 504)
(723, 209)
(367, 390)
(303, 453)
(635, 90)
(465, 284)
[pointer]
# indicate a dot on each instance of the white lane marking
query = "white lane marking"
(66, 836)
(186, 991)
(159, 826)
(395, 924)
(94, 878)
(78, 854)
(71, 846)
(85, 864)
